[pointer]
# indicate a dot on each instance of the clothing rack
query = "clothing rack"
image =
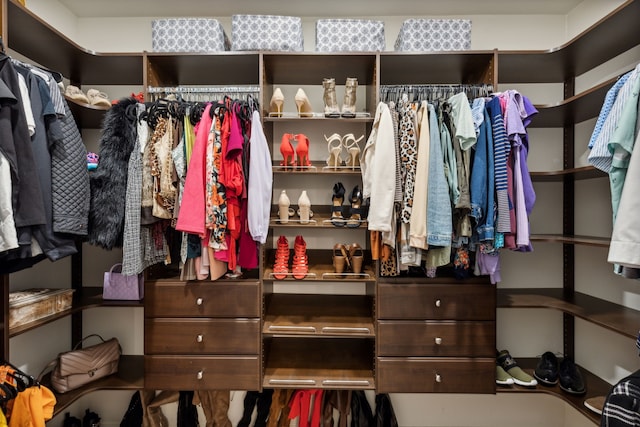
(203, 94)
(431, 92)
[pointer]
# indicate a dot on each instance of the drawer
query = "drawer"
(202, 372)
(436, 301)
(436, 338)
(436, 375)
(201, 336)
(201, 299)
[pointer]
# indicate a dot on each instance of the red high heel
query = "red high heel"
(281, 264)
(286, 149)
(302, 150)
(300, 264)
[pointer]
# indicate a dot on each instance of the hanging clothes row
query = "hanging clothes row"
(203, 94)
(23, 400)
(459, 189)
(44, 195)
(183, 169)
(431, 92)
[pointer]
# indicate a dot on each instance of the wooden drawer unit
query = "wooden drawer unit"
(202, 336)
(456, 301)
(202, 372)
(436, 375)
(164, 298)
(436, 338)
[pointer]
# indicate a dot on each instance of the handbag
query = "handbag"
(78, 367)
(117, 286)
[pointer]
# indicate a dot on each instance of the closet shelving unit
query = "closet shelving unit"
(612, 35)
(29, 36)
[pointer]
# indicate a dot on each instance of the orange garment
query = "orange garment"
(301, 405)
(32, 407)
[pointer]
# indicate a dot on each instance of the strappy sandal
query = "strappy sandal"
(355, 219)
(99, 99)
(357, 257)
(300, 264)
(336, 210)
(334, 146)
(340, 258)
(74, 93)
(350, 143)
(281, 263)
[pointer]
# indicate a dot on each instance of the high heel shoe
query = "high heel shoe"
(284, 210)
(357, 257)
(281, 263)
(302, 150)
(330, 102)
(303, 104)
(304, 207)
(275, 106)
(350, 143)
(349, 104)
(300, 264)
(336, 210)
(334, 146)
(286, 149)
(355, 219)
(340, 258)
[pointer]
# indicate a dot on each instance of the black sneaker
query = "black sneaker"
(570, 377)
(546, 371)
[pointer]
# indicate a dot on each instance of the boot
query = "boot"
(279, 411)
(264, 404)
(330, 102)
(339, 400)
(215, 405)
(250, 400)
(349, 104)
(151, 407)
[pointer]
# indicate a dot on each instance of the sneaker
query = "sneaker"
(520, 377)
(570, 377)
(546, 371)
(502, 378)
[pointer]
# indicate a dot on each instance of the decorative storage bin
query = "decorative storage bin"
(33, 304)
(266, 32)
(188, 35)
(349, 35)
(434, 34)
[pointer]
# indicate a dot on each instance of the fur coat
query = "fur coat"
(109, 181)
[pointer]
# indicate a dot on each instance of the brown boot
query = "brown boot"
(215, 405)
(152, 407)
(279, 411)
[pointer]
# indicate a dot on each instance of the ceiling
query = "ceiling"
(314, 8)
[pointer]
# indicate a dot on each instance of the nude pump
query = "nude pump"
(276, 103)
(303, 104)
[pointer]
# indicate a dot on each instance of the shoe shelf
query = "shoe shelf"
(324, 273)
(602, 242)
(87, 116)
(579, 173)
(603, 313)
(319, 316)
(595, 386)
(328, 363)
(293, 117)
(83, 299)
(317, 167)
(130, 376)
(320, 219)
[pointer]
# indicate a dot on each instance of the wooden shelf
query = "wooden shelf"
(87, 116)
(579, 173)
(310, 68)
(292, 117)
(83, 298)
(329, 363)
(320, 220)
(595, 387)
(435, 67)
(602, 242)
(610, 36)
(35, 39)
(324, 273)
(319, 315)
(130, 376)
(606, 314)
(315, 169)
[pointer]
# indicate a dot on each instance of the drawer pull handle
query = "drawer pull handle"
(346, 382)
(293, 382)
(199, 338)
(438, 303)
(344, 329)
(438, 378)
(199, 301)
(292, 328)
(199, 375)
(438, 340)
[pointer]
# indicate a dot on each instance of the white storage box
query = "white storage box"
(33, 304)
(419, 35)
(266, 32)
(188, 35)
(349, 35)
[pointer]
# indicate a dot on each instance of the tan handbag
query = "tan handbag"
(78, 367)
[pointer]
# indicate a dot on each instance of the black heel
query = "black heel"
(337, 199)
(355, 219)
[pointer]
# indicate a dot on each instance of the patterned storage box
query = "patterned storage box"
(266, 32)
(349, 35)
(188, 35)
(33, 304)
(434, 34)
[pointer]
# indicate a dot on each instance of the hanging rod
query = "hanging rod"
(190, 89)
(429, 92)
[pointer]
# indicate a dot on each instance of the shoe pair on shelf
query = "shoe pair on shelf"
(301, 150)
(93, 96)
(508, 372)
(331, 108)
(300, 263)
(336, 144)
(338, 219)
(348, 258)
(549, 371)
(285, 211)
(276, 105)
